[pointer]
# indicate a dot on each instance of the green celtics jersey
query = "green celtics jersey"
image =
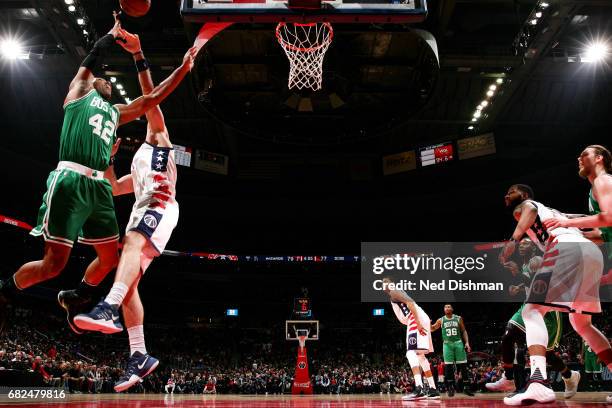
(450, 329)
(88, 132)
(606, 232)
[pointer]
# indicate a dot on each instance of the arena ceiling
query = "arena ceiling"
(378, 80)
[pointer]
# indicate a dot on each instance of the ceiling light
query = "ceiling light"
(500, 80)
(477, 114)
(122, 92)
(538, 14)
(69, 2)
(113, 79)
(11, 49)
(544, 4)
(118, 86)
(71, 9)
(493, 87)
(595, 52)
(490, 93)
(80, 21)
(484, 103)
(534, 21)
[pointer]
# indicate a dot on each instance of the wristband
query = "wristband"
(142, 65)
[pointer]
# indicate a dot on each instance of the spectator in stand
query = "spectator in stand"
(210, 387)
(170, 385)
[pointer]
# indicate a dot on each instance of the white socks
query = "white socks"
(117, 294)
(538, 362)
(431, 382)
(137, 340)
(418, 381)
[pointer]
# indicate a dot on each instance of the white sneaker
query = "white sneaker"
(571, 384)
(535, 392)
(501, 385)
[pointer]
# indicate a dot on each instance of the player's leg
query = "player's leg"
(432, 393)
(595, 339)
(413, 360)
(449, 368)
(515, 333)
(537, 339)
(105, 315)
(554, 327)
(54, 261)
(140, 363)
(101, 231)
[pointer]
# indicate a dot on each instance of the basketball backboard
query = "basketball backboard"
(295, 328)
(275, 11)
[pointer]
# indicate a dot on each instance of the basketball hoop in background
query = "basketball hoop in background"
(305, 45)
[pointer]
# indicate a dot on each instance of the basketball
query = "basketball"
(135, 8)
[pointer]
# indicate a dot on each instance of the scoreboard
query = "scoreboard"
(439, 153)
(302, 308)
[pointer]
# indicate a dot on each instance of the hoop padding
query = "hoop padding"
(305, 46)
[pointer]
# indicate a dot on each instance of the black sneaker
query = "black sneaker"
(416, 395)
(74, 304)
(103, 318)
(450, 391)
(139, 366)
(433, 393)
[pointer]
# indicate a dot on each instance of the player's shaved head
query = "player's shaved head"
(525, 189)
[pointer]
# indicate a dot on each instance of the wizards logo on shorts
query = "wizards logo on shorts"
(159, 158)
(412, 341)
(149, 222)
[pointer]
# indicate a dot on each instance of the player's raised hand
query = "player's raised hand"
(189, 58)
(115, 31)
(130, 42)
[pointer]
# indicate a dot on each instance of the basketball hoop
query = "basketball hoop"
(305, 46)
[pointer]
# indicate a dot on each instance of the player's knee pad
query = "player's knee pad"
(413, 359)
(535, 328)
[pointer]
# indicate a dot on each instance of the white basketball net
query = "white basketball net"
(305, 46)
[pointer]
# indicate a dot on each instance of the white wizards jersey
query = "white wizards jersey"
(538, 233)
(154, 176)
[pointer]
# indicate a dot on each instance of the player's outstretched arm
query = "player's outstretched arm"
(82, 81)
(602, 190)
(155, 118)
(141, 105)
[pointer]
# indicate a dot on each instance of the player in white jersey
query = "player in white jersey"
(418, 342)
(154, 216)
(568, 281)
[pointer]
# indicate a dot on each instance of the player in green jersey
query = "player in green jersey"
(453, 334)
(78, 204)
(595, 165)
(592, 365)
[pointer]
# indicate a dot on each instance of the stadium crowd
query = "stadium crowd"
(251, 366)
